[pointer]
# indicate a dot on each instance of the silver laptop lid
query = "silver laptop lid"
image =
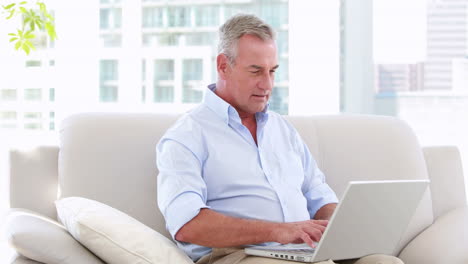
(370, 218)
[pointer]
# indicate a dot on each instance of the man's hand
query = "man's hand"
(212, 229)
(300, 232)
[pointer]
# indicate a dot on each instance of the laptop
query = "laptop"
(370, 219)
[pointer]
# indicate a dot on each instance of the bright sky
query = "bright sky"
(399, 31)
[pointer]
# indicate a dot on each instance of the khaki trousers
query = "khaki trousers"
(237, 256)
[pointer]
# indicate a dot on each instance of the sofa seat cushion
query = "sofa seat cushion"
(446, 241)
(115, 236)
(44, 240)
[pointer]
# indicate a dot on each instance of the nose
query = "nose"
(266, 81)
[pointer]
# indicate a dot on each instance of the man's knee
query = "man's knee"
(379, 259)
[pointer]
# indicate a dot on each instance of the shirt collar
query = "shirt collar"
(224, 110)
(216, 104)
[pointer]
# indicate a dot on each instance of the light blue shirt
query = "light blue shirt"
(209, 159)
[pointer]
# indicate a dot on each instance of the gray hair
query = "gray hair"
(237, 26)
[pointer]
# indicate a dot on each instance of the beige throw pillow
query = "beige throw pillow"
(42, 239)
(114, 236)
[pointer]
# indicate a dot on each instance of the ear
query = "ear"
(222, 65)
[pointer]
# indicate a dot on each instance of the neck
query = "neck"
(220, 91)
(246, 117)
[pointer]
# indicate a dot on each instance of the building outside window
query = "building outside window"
(192, 78)
(164, 81)
(110, 18)
(207, 16)
(8, 95)
(153, 17)
(109, 81)
(413, 68)
(167, 49)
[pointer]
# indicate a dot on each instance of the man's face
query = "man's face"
(249, 82)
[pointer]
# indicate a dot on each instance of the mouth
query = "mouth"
(260, 98)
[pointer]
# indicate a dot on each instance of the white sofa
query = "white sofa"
(110, 157)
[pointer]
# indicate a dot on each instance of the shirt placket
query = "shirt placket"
(266, 163)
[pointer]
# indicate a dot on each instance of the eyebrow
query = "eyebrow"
(260, 67)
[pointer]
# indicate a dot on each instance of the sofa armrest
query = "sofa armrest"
(445, 171)
(33, 179)
(445, 241)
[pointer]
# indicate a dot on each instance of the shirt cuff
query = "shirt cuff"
(181, 210)
(318, 197)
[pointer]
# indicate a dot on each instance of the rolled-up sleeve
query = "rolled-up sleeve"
(317, 192)
(181, 188)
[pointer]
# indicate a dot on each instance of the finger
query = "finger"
(320, 222)
(305, 237)
(311, 224)
(313, 233)
(321, 228)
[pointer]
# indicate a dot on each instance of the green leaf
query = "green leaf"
(13, 39)
(32, 25)
(26, 48)
(49, 16)
(51, 30)
(40, 23)
(23, 2)
(11, 34)
(18, 44)
(29, 35)
(9, 6)
(12, 13)
(42, 7)
(29, 44)
(23, 10)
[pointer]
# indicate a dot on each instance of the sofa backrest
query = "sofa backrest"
(111, 158)
(361, 147)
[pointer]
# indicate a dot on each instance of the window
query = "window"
(143, 78)
(52, 94)
(193, 76)
(110, 1)
(33, 94)
(200, 39)
(110, 18)
(111, 40)
(8, 115)
(169, 55)
(233, 9)
(7, 95)
(152, 17)
(109, 77)
(179, 16)
(8, 119)
(32, 115)
(207, 16)
(164, 81)
(110, 24)
(414, 67)
(33, 63)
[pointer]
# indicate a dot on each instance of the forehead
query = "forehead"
(253, 50)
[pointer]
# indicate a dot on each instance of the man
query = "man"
(234, 174)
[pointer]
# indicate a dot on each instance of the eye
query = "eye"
(255, 72)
